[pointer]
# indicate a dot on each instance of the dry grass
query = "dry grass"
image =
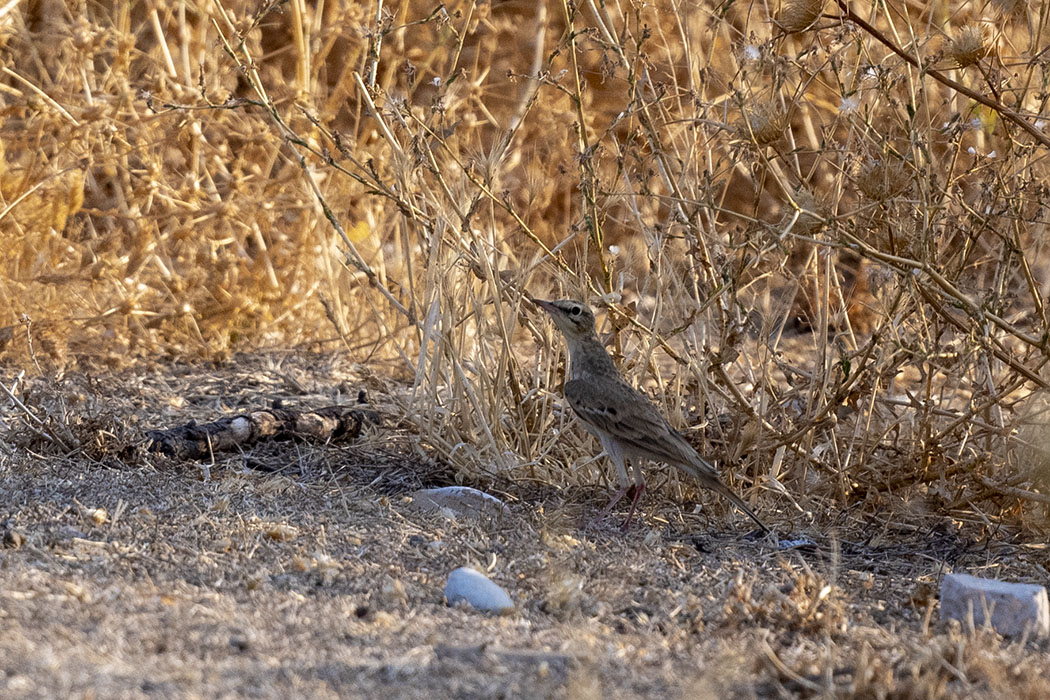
(816, 234)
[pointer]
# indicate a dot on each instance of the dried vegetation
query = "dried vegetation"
(817, 235)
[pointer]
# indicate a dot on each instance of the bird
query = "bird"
(628, 425)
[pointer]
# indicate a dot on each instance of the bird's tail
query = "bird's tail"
(739, 503)
(707, 475)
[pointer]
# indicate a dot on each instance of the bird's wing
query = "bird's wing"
(619, 410)
(607, 407)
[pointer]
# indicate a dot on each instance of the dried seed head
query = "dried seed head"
(810, 218)
(799, 15)
(883, 179)
(764, 123)
(969, 46)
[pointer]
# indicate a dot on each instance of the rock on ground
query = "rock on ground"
(465, 584)
(1014, 607)
(460, 501)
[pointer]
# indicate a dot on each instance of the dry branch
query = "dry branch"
(194, 441)
(1013, 491)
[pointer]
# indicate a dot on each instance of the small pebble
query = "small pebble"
(13, 538)
(465, 584)
(280, 532)
(461, 501)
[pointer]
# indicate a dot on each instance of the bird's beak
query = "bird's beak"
(546, 306)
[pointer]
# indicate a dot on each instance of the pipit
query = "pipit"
(628, 425)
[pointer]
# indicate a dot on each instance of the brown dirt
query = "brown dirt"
(302, 570)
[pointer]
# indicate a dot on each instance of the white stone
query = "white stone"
(459, 501)
(1014, 607)
(465, 584)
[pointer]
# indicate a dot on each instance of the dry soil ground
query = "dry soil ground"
(302, 570)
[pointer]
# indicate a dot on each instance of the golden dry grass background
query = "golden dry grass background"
(817, 238)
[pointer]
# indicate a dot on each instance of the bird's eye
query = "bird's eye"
(575, 311)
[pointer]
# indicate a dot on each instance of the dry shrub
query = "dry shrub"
(803, 602)
(399, 182)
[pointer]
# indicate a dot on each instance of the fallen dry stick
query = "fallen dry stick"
(193, 440)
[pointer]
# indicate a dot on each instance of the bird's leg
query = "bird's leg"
(638, 488)
(615, 499)
(616, 456)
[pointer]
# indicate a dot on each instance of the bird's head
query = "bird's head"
(573, 318)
